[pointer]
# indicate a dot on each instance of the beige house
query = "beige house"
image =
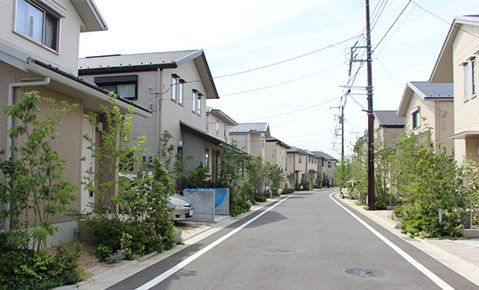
(327, 166)
(175, 86)
(218, 124)
(297, 165)
(389, 127)
(428, 108)
(276, 153)
(251, 138)
(457, 63)
(39, 51)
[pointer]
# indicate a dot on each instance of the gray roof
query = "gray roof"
(297, 150)
(141, 59)
(272, 139)
(324, 155)
(435, 90)
(250, 127)
(141, 62)
(389, 119)
(221, 115)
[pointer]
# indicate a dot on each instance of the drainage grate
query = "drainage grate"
(278, 250)
(365, 273)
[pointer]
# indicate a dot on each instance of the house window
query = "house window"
(300, 160)
(198, 106)
(329, 164)
(322, 162)
(38, 24)
(207, 158)
(416, 119)
(181, 87)
(473, 77)
(179, 154)
(125, 86)
(217, 127)
(195, 101)
(177, 89)
(466, 82)
(174, 87)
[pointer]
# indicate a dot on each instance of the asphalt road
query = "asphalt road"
(304, 241)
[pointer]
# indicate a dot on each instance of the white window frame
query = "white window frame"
(194, 101)
(466, 81)
(174, 87)
(473, 77)
(49, 10)
(181, 91)
(198, 105)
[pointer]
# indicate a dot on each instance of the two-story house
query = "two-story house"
(297, 165)
(276, 153)
(428, 108)
(251, 138)
(327, 165)
(457, 64)
(175, 86)
(218, 124)
(389, 127)
(39, 51)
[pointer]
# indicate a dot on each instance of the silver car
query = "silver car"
(182, 209)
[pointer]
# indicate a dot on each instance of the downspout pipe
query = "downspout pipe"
(158, 113)
(436, 130)
(11, 93)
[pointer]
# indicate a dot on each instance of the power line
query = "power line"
(291, 112)
(392, 25)
(283, 83)
(286, 60)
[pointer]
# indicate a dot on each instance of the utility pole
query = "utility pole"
(342, 133)
(370, 113)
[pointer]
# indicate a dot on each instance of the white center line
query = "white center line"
(195, 256)
(439, 282)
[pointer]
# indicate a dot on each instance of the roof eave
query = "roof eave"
(406, 98)
(89, 94)
(91, 16)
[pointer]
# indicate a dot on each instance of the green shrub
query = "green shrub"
(259, 197)
(288, 190)
(26, 269)
(239, 206)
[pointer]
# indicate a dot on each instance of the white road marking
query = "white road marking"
(198, 254)
(439, 282)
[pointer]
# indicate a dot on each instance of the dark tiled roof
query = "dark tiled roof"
(324, 155)
(140, 59)
(435, 90)
(389, 119)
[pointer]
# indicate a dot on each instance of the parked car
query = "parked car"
(182, 209)
(326, 183)
(348, 190)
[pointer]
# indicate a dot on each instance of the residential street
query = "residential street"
(304, 241)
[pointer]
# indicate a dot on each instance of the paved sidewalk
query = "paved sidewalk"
(461, 256)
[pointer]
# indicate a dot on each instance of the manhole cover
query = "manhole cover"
(365, 273)
(279, 250)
